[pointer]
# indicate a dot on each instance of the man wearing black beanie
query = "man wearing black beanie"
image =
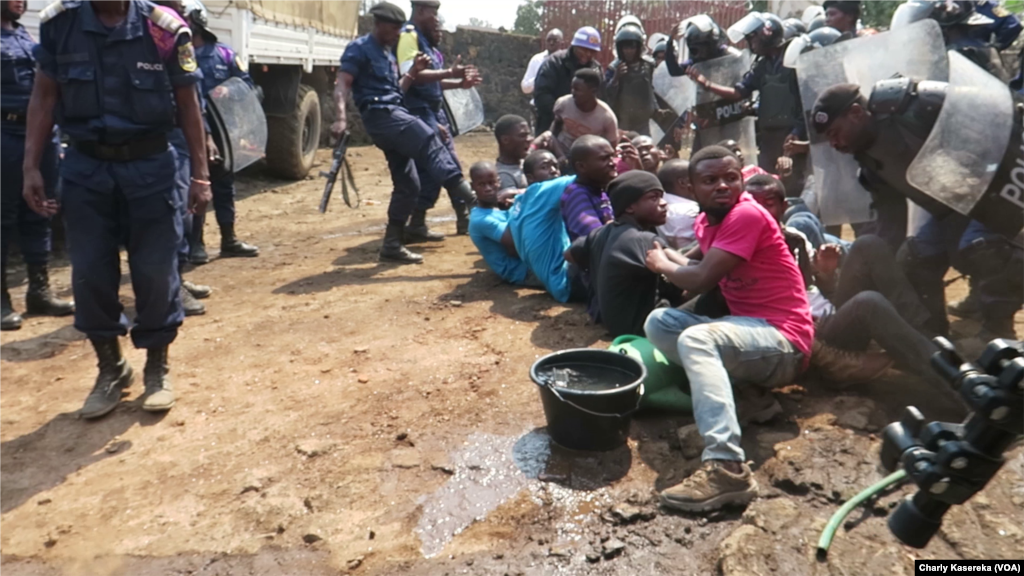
(622, 290)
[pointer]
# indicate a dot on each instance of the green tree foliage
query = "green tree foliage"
(528, 18)
(877, 14)
(478, 23)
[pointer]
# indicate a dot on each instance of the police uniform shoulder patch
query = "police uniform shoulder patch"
(51, 11)
(242, 64)
(187, 57)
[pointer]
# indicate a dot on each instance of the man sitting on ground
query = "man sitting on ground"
(622, 290)
(682, 210)
(581, 113)
(540, 166)
(514, 138)
(766, 341)
(734, 147)
(584, 204)
(650, 156)
(488, 224)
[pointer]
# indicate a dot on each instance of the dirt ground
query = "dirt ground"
(338, 415)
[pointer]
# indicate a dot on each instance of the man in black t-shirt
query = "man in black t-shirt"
(622, 289)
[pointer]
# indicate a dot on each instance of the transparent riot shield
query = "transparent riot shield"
(239, 124)
(866, 60)
(679, 92)
(965, 148)
(717, 119)
(465, 109)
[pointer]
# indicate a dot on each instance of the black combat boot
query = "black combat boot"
(393, 250)
(39, 299)
(232, 247)
(159, 396)
(190, 304)
(11, 320)
(417, 230)
(196, 246)
(461, 219)
(114, 377)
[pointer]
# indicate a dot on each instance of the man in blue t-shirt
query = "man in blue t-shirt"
(488, 222)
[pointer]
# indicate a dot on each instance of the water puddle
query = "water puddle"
(490, 470)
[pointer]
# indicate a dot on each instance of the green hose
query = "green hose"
(833, 523)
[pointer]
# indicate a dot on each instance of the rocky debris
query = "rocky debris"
(311, 538)
(253, 483)
(560, 551)
(363, 379)
(855, 413)
(313, 447)
(625, 513)
(360, 350)
(455, 303)
(371, 535)
(354, 563)
(44, 501)
(593, 558)
(612, 548)
(691, 444)
(405, 458)
(116, 445)
(827, 462)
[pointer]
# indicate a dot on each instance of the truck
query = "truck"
(293, 50)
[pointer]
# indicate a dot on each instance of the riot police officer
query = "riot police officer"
(628, 88)
(961, 27)
(704, 39)
(780, 112)
(218, 63)
(20, 224)
(117, 77)
(885, 133)
(369, 70)
(425, 100)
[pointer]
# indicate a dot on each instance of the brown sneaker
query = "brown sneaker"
(710, 488)
(848, 367)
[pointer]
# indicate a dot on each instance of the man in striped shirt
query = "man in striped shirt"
(585, 205)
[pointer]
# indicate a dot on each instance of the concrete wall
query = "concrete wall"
(501, 58)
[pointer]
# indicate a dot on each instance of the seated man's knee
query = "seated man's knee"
(697, 338)
(869, 244)
(869, 301)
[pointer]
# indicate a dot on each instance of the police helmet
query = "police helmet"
(654, 39)
(197, 13)
(793, 27)
(806, 42)
(816, 23)
(629, 34)
(767, 25)
(701, 29)
(630, 21)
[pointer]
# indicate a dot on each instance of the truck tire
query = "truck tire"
(292, 140)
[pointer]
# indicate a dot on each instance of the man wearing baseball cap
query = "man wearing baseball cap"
(555, 77)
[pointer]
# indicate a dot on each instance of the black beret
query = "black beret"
(388, 12)
(832, 103)
(427, 3)
(629, 187)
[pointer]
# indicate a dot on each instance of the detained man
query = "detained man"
(622, 290)
(765, 341)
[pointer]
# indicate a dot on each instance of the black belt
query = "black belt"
(134, 150)
(13, 117)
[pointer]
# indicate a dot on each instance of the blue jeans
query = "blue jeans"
(717, 353)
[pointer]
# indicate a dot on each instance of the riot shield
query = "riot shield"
(238, 124)
(718, 119)
(972, 160)
(842, 200)
(465, 109)
(679, 91)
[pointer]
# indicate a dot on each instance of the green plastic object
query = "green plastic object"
(663, 386)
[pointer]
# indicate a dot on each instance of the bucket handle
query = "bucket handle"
(629, 412)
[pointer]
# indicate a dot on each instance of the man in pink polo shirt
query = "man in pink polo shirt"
(765, 341)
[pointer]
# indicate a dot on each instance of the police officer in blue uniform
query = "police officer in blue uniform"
(1004, 29)
(369, 70)
(117, 77)
(19, 223)
(425, 100)
(218, 63)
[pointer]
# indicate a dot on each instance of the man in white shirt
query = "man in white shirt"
(553, 42)
(682, 209)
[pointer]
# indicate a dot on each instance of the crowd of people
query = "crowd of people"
(718, 257)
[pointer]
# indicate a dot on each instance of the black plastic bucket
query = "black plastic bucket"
(596, 420)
